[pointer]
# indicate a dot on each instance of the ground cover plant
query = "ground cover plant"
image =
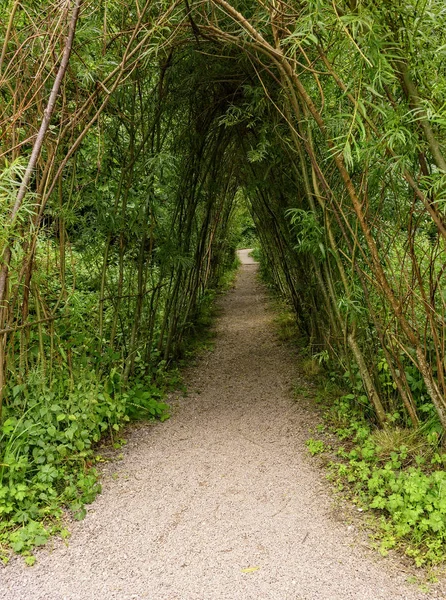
(395, 474)
(139, 139)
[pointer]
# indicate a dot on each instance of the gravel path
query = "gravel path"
(220, 502)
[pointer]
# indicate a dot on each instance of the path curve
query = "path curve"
(221, 501)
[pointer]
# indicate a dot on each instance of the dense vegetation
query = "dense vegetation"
(134, 137)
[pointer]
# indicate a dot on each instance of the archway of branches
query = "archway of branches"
(132, 131)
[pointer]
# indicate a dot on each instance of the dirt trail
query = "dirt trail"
(224, 486)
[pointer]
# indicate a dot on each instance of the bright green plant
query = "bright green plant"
(394, 474)
(315, 446)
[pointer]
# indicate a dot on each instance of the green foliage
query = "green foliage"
(315, 446)
(399, 476)
(243, 229)
(146, 400)
(309, 234)
(256, 254)
(47, 449)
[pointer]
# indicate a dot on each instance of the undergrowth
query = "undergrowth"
(51, 434)
(398, 475)
(394, 474)
(48, 445)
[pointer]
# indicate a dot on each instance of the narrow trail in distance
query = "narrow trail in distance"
(220, 502)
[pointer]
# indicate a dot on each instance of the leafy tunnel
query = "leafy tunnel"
(133, 134)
